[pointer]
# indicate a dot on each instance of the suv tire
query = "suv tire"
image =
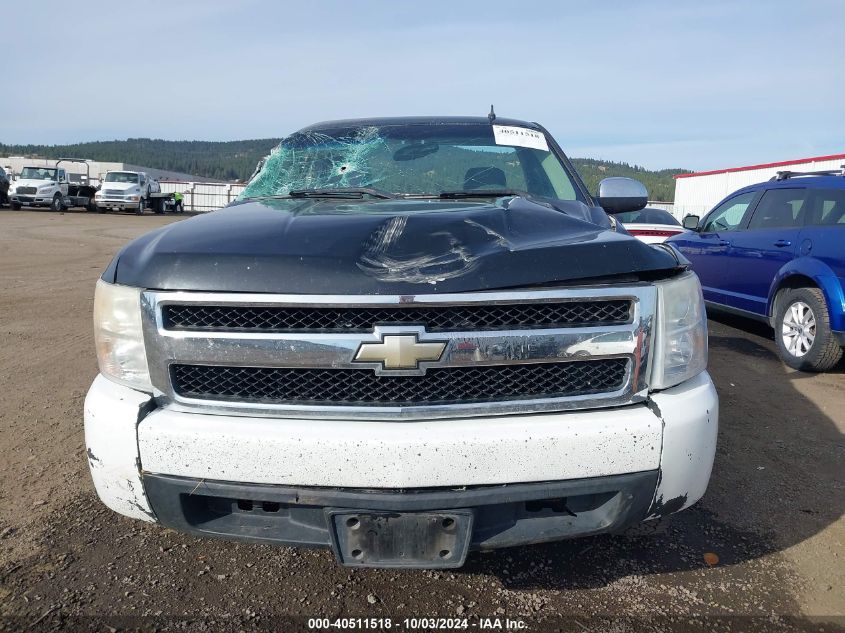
(802, 331)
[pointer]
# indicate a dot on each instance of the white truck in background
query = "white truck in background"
(133, 191)
(53, 187)
(123, 190)
(59, 189)
(39, 187)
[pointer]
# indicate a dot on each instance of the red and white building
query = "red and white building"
(699, 192)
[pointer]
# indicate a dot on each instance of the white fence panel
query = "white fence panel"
(656, 204)
(203, 196)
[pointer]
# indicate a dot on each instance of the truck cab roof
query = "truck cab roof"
(420, 120)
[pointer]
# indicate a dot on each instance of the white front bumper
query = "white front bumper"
(116, 203)
(676, 433)
(32, 199)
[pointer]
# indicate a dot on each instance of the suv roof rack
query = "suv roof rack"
(784, 175)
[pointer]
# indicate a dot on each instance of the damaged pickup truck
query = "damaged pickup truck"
(406, 340)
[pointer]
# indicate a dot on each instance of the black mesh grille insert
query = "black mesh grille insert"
(434, 318)
(445, 385)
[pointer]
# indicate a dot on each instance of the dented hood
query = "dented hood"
(385, 247)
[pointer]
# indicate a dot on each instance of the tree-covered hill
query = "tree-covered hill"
(660, 184)
(236, 160)
(230, 160)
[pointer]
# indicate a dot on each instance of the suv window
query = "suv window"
(827, 208)
(728, 215)
(779, 208)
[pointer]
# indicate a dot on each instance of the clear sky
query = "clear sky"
(699, 85)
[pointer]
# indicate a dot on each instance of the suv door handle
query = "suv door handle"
(724, 242)
(783, 243)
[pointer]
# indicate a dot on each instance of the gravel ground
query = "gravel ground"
(773, 514)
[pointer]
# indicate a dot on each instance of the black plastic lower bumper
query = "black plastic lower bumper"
(502, 515)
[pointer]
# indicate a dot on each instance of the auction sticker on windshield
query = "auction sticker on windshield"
(520, 137)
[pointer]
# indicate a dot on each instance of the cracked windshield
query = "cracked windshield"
(418, 160)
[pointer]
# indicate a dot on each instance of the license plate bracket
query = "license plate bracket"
(368, 538)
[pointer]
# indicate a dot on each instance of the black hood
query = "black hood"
(385, 247)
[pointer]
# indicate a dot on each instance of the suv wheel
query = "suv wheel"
(57, 203)
(802, 331)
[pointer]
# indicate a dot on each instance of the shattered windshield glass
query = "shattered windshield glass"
(410, 159)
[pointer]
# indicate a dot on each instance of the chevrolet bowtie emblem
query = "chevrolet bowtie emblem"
(400, 351)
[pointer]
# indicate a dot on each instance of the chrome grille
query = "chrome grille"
(113, 193)
(450, 385)
(27, 190)
(362, 319)
(504, 352)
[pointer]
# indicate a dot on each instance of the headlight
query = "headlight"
(680, 340)
(44, 187)
(119, 337)
(99, 194)
(132, 196)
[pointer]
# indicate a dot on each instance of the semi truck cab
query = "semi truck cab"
(40, 187)
(123, 190)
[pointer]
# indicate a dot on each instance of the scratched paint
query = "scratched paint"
(111, 418)
(689, 415)
(363, 454)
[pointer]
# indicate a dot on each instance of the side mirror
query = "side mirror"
(691, 222)
(618, 195)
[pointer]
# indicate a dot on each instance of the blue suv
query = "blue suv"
(775, 251)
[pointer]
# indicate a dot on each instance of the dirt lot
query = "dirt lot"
(773, 513)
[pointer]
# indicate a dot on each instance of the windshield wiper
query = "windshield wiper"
(481, 193)
(342, 192)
